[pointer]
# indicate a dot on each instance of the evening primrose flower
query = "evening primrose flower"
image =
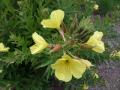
(3, 48)
(40, 44)
(55, 20)
(96, 42)
(66, 67)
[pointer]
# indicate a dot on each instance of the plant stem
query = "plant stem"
(62, 34)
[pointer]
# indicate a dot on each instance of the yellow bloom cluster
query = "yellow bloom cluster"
(66, 67)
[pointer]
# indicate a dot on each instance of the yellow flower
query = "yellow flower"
(96, 7)
(3, 48)
(39, 45)
(96, 42)
(115, 54)
(66, 67)
(55, 20)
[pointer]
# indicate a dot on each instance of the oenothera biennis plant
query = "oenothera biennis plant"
(71, 66)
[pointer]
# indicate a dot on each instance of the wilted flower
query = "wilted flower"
(3, 48)
(115, 54)
(66, 67)
(55, 20)
(96, 42)
(39, 45)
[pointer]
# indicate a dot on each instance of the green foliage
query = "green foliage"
(87, 24)
(20, 18)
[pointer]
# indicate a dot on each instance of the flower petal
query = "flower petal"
(35, 49)
(92, 42)
(62, 70)
(38, 39)
(63, 73)
(77, 68)
(100, 48)
(97, 35)
(49, 23)
(57, 15)
(87, 63)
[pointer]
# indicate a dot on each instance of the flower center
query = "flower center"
(67, 61)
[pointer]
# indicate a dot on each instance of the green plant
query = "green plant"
(20, 18)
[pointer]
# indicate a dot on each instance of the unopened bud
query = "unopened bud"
(56, 48)
(86, 46)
